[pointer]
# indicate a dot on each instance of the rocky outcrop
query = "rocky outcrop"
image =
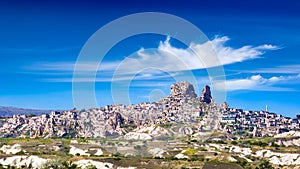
(280, 158)
(224, 106)
(181, 156)
(186, 130)
(288, 142)
(158, 152)
(206, 95)
(137, 136)
(182, 89)
(182, 106)
(99, 152)
(89, 163)
(154, 131)
(231, 159)
(20, 161)
(36, 162)
(77, 151)
(147, 133)
(240, 150)
(14, 149)
(87, 151)
(288, 134)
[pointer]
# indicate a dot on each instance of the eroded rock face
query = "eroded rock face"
(14, 149)
(20, 161)
(280, 158)
(186, 131)
(183, 89)
(206, 95)
(288, 142)
(137, 136)
(74, 151)
(288, 134)
(224, 106)
(97, 164)
(158, 152)
(182, 105)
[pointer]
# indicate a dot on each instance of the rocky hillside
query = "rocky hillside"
(179, 113)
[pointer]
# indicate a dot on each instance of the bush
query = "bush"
(69, 165)
(202, 149)
(57, 164)
(83, 141)
(190, 152)
(257, 143)
(242, 163)
(234, 142)
(90, 167)
(165, 125)
(274, 145)
(36, 153)
(20, 153)
(265, 165)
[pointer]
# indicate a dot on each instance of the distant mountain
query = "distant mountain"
(9, 111)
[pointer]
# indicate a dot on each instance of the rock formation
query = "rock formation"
(224, 106)
(115, 120)
(206, 95)
(183, 89)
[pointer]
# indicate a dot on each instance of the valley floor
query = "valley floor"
(120, 154)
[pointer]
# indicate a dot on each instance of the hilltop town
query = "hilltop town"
(181, 126)
(182, 106)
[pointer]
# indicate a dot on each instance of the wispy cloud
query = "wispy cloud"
(107, 78)
(169, 58)
(69, 66)
(229, 55)
(259, 83)
(286, 69)
(164, 58)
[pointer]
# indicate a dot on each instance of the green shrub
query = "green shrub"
(234, 142)
(57, 164)
(274, 145)
(190, 151)
(83, 141)
(202, 149)
(265, 165)
(90, 167)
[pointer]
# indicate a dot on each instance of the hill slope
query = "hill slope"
(9, 111)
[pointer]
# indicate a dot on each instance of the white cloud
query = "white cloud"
(286, 69)
(166, 58)
(140, 77)
(257, 82)
(196, 56)
(229, 55)
(69, 66)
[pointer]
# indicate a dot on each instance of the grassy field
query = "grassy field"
(114, 151)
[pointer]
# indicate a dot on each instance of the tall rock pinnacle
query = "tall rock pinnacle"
(206, 95)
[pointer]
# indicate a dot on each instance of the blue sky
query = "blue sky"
(257, 43)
